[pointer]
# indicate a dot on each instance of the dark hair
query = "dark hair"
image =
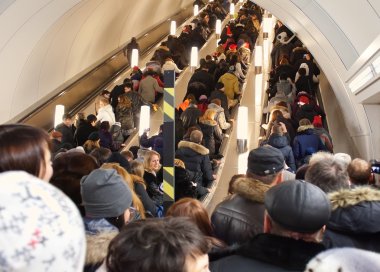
(69, 168)
(128, 85)
(283, 76)
(101, 155)
(105, 125)
(328, 174)
(23, 147)
(91, 118)
(66, 116)
(158, 245)
(302, 71)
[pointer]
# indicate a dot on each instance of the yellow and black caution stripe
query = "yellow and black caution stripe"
(169, 136)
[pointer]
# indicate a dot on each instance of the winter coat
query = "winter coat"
(105, 139)
(211, 134)
(137, 101)
(305, 144)
(106, 114)
(141, 192)
(220, 118)
(124, 115)
(154, 188)
(355, 219)
(282, 143)
(156, 142)
(223, 98)
(148, 88)
(67, 134)
(82, 132)
(231, 85)
(190, 116)
(267, 253)
(170, 65)
(99, 233)
(306, 111)
(183, 184)
(196, 159)
(205, 78)
(241, 216)
(325, 137)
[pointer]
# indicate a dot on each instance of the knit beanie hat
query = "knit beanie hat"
(105, 194)
(40, 227)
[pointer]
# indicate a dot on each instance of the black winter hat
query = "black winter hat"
(297, 205)
(265, 160)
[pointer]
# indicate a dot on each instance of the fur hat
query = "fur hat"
(345, 260)
(265, 160)
(297, 205)
(40, 227)
(105, 194)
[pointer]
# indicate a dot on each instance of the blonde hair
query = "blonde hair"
(208, 115)
(90, 145)
(136, 201)
(148, 158)
(137, 168)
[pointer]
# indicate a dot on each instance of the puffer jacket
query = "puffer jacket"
(190, 116)
(231, 84)
(355, 219)
(241, 216)
(124, 115)
(211, 134)
(196, 159)
(281, 143)
(305, 144)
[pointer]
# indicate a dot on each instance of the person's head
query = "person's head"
(27, 149)
(296, 209)
(328, 174)
(160, 245)
(359, 172)
(217, 101)
(275, 115)
(137, 168)
(277, 129)
(124, 101)
(219, 86)
(343, 158)
(105, 125)
(101, 154)
(103, 101)
(39, 226)
(91, 119)
(319, 156)
(283, 76)
(133, 40)
(191, 98)
(152, 161)
(129, 181)
(304, 122)
(345, 260)
(69, 168)
(106, 195)
(128, 87)
(67, 119)
(266, 164)
(128, 155)
(192, 208)
(196, 136)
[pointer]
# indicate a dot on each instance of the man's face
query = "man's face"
(126, 89)
(67, 121)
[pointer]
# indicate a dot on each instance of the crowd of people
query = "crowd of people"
(76, 200)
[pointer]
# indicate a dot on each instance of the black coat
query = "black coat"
(205, 78)
(153, 188)
(183, 184)
(241, 216)
(355, 219)
(147, 202)
(196, 159)
(267, 253)
(67, 134)
(211, 134)
(190, 117)
(82, 132)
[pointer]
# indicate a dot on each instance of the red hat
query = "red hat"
(135, 68)
(229, 33)
(303, 99)
(233, 47)
(317, 121)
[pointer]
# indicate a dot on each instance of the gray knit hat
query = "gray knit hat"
(105, 194)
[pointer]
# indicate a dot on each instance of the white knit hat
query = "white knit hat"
(40, 227)
(345, 260)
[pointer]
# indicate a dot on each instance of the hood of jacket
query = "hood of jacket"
(194, 146)
(355, 210)
(251, 189)
(208, 122)
(229, 76)
(305, 129)
(278, 141)
(215, 107)
(97, 247)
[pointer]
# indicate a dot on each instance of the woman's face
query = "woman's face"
(155, 163)
(46, 171)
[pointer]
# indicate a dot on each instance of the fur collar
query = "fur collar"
(97, 247)
(207, 122)
(351, 197)
(251, 189)
(194, 146)
(304, 128)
